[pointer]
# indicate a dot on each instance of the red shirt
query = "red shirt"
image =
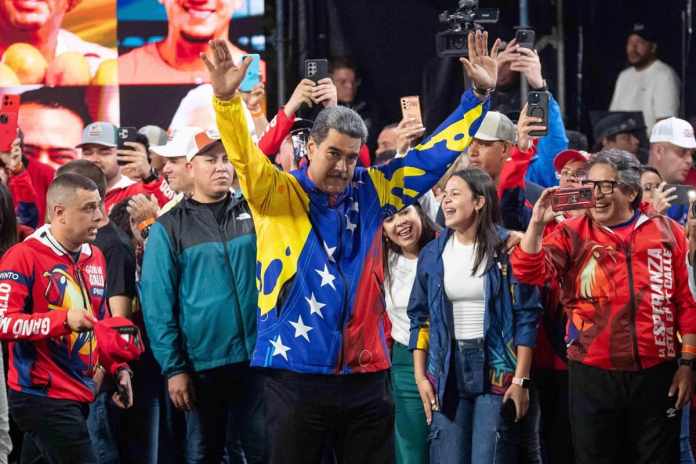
(41, 177)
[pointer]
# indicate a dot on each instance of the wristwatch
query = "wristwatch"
(523, 382)
(691, 362)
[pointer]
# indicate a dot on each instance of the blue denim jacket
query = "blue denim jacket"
(512, 313)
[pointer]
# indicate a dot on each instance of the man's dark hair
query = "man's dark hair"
(577, 140)
(211, 147)
(65, 186)
(69, 98)
(341, 62)
(120, 216)
(86, 169)
(341, 119)
(645, 168)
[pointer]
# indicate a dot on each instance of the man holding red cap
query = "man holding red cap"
(52, 293)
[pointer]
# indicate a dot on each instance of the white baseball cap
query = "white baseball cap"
(496, 126)
(675, 131)
(186, 141)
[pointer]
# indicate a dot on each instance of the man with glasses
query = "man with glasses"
(624, 289)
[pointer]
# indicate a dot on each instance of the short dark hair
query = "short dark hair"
(627, 167)
(86, 169)
(69, 98)
(69, 183)
(645, 168)
(211, 147)
(577, 140)
(120, 216)
(342, 62)
(341, 119)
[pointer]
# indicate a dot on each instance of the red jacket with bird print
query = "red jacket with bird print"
(39, 282)
(625, 299)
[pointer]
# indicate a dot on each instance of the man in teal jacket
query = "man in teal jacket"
(198, 294)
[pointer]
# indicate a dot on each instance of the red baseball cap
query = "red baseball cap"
(118, 340)
(566, 156)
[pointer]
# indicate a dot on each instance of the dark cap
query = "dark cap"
(645, 32)
(616, 122)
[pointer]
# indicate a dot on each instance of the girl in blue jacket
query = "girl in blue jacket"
(473, 327)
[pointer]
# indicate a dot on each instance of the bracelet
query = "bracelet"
(483, 92)
(145, 224)
(691, 349)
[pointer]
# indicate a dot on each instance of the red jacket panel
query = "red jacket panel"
(625, 300)
(41, 177)
(38, 283)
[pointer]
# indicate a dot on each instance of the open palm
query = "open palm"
(481, 67)
(224, 75)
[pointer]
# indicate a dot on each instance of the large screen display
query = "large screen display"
(129, 62)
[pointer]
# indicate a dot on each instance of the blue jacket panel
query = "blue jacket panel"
(541, 170)
(512, 313)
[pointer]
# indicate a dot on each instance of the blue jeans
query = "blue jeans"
(102, 426)
(476, 433)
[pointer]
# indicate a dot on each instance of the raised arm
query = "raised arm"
(401, 181)
(258, 178)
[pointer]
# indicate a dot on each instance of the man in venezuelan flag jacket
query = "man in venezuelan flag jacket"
(319, 268)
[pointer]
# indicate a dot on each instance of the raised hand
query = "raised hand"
(481, 67)
(301, 95)
(224, 75)
(527, 63)
(525, 125)
(542, 213)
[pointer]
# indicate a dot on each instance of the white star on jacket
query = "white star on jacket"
(349, 225)
(279, 348)
(326, 277)
(315, 306)
(301, 330)
(330, 251)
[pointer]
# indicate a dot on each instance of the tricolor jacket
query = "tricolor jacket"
(625, 299)
(319, 264)
(39, 282)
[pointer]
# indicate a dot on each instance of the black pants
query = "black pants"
(55, 430)
(552, 387)
(623, 417)
(353, 412)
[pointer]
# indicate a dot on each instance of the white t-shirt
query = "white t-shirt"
(397, 294)
(653, 90)
(466, 292)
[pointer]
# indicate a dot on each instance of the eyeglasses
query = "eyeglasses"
(605, 186)
(570, 174)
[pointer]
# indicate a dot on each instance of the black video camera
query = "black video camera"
(467, 18)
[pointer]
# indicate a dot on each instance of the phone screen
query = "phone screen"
(253, 74)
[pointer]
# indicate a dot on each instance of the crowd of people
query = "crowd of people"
(277, 292)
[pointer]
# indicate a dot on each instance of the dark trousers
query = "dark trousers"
(304, 412)
(623, 417)
(228, 412)
(55, 430)
(552, 386)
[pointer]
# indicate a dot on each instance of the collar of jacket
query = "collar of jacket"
(234, 199)
(320, 197)
(44, 236)
(441, 242)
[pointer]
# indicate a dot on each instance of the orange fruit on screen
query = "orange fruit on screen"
(107, 73)
(8, 78)
(27, 63)
(69, 68)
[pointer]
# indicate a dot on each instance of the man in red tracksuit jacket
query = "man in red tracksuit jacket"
(52, 291)
(621, 270)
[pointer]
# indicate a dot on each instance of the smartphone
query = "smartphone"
(508, 410)
(125, 134)
(316, 70)
(538, 107)
(567, 199)
(9, 110)
(525, 38)
(410, 108)
(253, 74)
(682, 193)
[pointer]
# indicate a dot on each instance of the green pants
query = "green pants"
(410, 428)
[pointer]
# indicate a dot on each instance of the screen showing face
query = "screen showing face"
(128, 62)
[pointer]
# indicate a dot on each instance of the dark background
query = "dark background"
(392, 42)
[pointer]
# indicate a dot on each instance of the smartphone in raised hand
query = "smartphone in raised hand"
(9, 111)
(410, 108)
(253, 74)
(566, 199)
(316, 70)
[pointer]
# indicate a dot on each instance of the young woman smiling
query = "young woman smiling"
(473, 327)
(405, 233)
